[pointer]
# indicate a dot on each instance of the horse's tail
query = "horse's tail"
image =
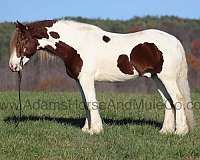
(183, 85)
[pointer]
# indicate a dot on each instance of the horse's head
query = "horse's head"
(22, 46)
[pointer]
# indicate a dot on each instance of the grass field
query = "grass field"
(50, 129)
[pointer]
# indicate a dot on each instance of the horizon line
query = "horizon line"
(102, 18)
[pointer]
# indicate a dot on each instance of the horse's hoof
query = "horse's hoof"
(85, 129)
(94, 130)
(167, 131)
(182, 131)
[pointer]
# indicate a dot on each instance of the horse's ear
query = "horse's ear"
(21, 27)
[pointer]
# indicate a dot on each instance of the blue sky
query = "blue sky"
(30, 10)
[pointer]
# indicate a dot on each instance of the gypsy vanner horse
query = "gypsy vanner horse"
(91, 54)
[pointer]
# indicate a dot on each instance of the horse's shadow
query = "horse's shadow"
(79, 122)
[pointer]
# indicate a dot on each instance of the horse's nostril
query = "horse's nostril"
(11, 66)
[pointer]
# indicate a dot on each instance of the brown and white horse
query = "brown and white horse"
(91, 54)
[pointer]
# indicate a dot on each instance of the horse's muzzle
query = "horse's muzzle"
(15, 67)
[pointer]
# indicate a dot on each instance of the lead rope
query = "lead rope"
(19, 92)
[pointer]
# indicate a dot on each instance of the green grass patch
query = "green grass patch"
(51, 122)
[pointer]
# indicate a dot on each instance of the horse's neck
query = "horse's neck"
(68, 33)
(57, 47)
(71, 37)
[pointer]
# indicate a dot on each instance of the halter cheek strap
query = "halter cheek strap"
(21, 62)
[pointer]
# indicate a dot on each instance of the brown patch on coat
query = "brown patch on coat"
(49, 48)
(25, 38)
(69, 55)
(24, 44)
(144, 58)
(147, 57)
(39, 29)
(54, 35)
(106, 39)
(124, 64)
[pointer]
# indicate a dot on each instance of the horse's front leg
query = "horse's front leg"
(93, 122)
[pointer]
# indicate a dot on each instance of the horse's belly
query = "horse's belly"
(114, 75)
(108, 70)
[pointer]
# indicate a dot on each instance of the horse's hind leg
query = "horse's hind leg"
(169, 120)
(182, 123)
(185, 90)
